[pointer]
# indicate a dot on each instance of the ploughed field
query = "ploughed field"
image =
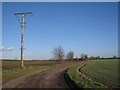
(103, 71)
(16, 64)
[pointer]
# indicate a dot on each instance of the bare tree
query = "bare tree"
(70, 55)
(98, 57)
(114, 57)
(59, 53)
(86, 57)
(82, 56)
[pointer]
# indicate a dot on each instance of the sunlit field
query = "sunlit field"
(103, 71)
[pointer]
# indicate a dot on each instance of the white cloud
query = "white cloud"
(6, 49)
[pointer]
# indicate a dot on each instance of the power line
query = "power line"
(41, 33)
(35, 25)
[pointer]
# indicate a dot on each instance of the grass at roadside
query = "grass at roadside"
(81, 81)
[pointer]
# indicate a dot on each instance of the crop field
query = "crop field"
(103, 71)
(79, 80)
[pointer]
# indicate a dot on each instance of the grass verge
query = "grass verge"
(80, 80)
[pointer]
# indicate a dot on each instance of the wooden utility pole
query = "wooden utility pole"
(22, 34)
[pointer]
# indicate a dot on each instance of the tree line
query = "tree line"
(59, 54)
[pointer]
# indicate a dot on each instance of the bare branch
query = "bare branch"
(70, 55)
(58, 53)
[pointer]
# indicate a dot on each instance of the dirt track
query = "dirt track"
(51, 78)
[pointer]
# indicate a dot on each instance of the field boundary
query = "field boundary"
(70, 82)
(78, 85)
(104, 72)
(79, 70)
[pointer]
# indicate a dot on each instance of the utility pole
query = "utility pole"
(22, 34)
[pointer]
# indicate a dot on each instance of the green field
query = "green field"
(95, 74)
(103, 71)
(79, 79)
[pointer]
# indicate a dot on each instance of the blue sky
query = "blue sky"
(90, 28)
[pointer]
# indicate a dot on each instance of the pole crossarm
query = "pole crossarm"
(23, 13)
